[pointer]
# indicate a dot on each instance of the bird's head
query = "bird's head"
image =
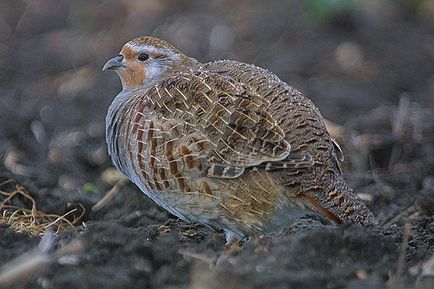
(144, 60)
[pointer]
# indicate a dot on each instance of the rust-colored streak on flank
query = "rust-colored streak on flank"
(162, 174)
(181, 184)
(135, 130)
(153, 143)
(207, 189)
(138, 117)
(322, 210)
(139, 140)
(139, 157)
(156, 183)
(174, 166)
(186, 152)
(140, 147)
(201, 148)
(169, 155)
(190, 161)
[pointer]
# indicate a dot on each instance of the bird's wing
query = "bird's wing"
(230, 118)
(280, 95)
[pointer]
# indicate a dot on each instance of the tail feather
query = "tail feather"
(316, 207)
(340, 205)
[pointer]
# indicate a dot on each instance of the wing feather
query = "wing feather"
(231, 116)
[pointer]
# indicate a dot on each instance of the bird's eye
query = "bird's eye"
(143, 56)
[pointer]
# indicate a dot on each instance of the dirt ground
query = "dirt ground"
(367, 65)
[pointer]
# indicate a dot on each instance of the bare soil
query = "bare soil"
(369, 69)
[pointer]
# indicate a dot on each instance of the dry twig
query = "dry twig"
(110, 195)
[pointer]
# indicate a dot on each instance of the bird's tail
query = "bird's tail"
(340, 205)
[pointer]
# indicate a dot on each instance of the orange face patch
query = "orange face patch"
(134, 74)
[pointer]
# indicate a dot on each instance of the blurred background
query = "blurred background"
(367, 64)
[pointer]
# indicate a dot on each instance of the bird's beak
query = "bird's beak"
(114, 63)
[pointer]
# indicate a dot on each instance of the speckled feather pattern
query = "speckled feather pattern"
(228, 145)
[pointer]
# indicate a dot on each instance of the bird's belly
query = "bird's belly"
(248, 205)
(193, 205)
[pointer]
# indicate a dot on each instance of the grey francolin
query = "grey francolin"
(224, 144)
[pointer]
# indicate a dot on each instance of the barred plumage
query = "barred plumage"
(225, 144)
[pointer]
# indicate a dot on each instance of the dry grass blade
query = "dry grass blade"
(393, 281)
(25, 218)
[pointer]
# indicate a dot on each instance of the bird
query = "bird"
(224, 144)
